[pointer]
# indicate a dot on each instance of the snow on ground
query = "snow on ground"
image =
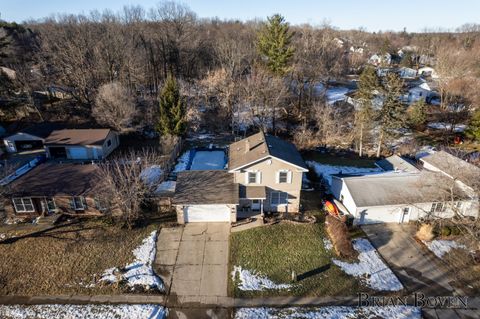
(208, 160)
(336, 94)
(327, 243)
(83, 311)
(182, 162)
(152, 175)
(138, 274)
(328, 170)
(442, 247)
(370, 268)
(447, 127)
(331, 312)
(201, 136)
(251, 281)
(165, 187)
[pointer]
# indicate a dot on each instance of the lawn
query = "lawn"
(68, 259)
(274, 251)
(339, 160)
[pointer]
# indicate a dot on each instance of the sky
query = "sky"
(373, 15)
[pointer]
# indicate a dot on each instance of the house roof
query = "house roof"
(396, 163)
(205, 187)
(397, 188)
(259, 146)
(40, 130)
(253, 192)
(78, 137)
(52, 179)
(453, 166)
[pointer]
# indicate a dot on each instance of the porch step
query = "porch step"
(49, 220)
(258, 222)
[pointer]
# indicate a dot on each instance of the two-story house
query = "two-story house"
(264, 175)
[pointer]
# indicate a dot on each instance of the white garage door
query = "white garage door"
(78, 153)
(207, 213)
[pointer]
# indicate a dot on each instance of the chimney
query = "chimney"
(247, 145)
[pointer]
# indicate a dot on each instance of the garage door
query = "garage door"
(78, 153)
(207, 213)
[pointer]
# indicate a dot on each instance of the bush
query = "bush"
(445, 231)
(338, 233)
(455, 231)
(425, 232)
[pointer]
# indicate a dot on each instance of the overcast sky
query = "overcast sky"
(374, 15)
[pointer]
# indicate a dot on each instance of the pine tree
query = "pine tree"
(473, 130)
(273, 44)
(172, 109)
(417, 113)
(367, 85)
(392, 114)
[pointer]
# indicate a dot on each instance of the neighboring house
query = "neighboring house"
(406, 193)
(264, 175)
(81, 144)
(30, 138)
(378, 59)
(55, 188)
(428, 72)
(420, 92)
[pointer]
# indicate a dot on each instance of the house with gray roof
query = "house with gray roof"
(404, 192)
(264, 174)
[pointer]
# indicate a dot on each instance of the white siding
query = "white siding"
(340, 189)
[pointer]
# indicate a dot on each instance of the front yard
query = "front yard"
(277, 250)
(69, 259)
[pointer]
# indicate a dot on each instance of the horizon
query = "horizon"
(369, 15)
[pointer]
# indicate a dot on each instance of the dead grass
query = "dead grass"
(67, 259)
(465, 270)
(425, 233)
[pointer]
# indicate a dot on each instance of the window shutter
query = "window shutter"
(84, 201)
(277, 177)
(246, 177)
(72, 203)
(289, 177)
(259, 177)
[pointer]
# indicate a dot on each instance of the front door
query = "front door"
(255, 204)
(405, 215)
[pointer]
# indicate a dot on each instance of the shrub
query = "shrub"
(445, 231)
(425, 232)
(338, 233)
(455, 231)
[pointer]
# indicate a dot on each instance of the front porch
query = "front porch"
(251, 202)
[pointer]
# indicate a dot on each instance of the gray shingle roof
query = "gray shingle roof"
(253, 192)
(205, 187)
(396, 163)
(453, 166)
(78, 137)
(262, 145)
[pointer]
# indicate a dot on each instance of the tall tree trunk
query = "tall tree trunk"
(360, 146)
(380, 140)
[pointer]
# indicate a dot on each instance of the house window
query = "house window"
(79, 203)
(253, 177)
(437, 208)
(51, 205)
(283, 177)
(109, 143)
(23, 205)
(278, 198)
(100, 205)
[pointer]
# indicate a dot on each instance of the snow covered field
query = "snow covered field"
(333, 312)
(151, 175)
(83, 311)
(208, 160)
(447, 127)
(370, 268)
(442, 247)
(250, 281)
(139, 274)
(328, 170)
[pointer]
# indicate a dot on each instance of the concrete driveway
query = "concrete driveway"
(193, 262)
(417, 268)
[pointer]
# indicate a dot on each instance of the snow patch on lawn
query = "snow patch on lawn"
(326, 171)
(182, 162)
(442, 247)
(83, 311)
(250, 281)
(331, 312)
(208, 160)
(447, 126)
(139, 274)
(327, 243)
(152, 175)
(370, 268)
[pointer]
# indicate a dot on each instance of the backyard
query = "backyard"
(277, 250)
(69, 259)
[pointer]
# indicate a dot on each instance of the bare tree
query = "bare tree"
(127, 183)
(114, 106)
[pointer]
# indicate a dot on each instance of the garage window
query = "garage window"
(278, 198)
(437, 208)
(23, 205)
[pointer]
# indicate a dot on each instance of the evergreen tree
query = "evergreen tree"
(172, 109)
(417, 113)
(368, 84)
(391, 115)
(273, 44)
(473, 130)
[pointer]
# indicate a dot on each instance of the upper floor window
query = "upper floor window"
(109, 142)
(284, 176)
(253, 177)
(23, 205)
